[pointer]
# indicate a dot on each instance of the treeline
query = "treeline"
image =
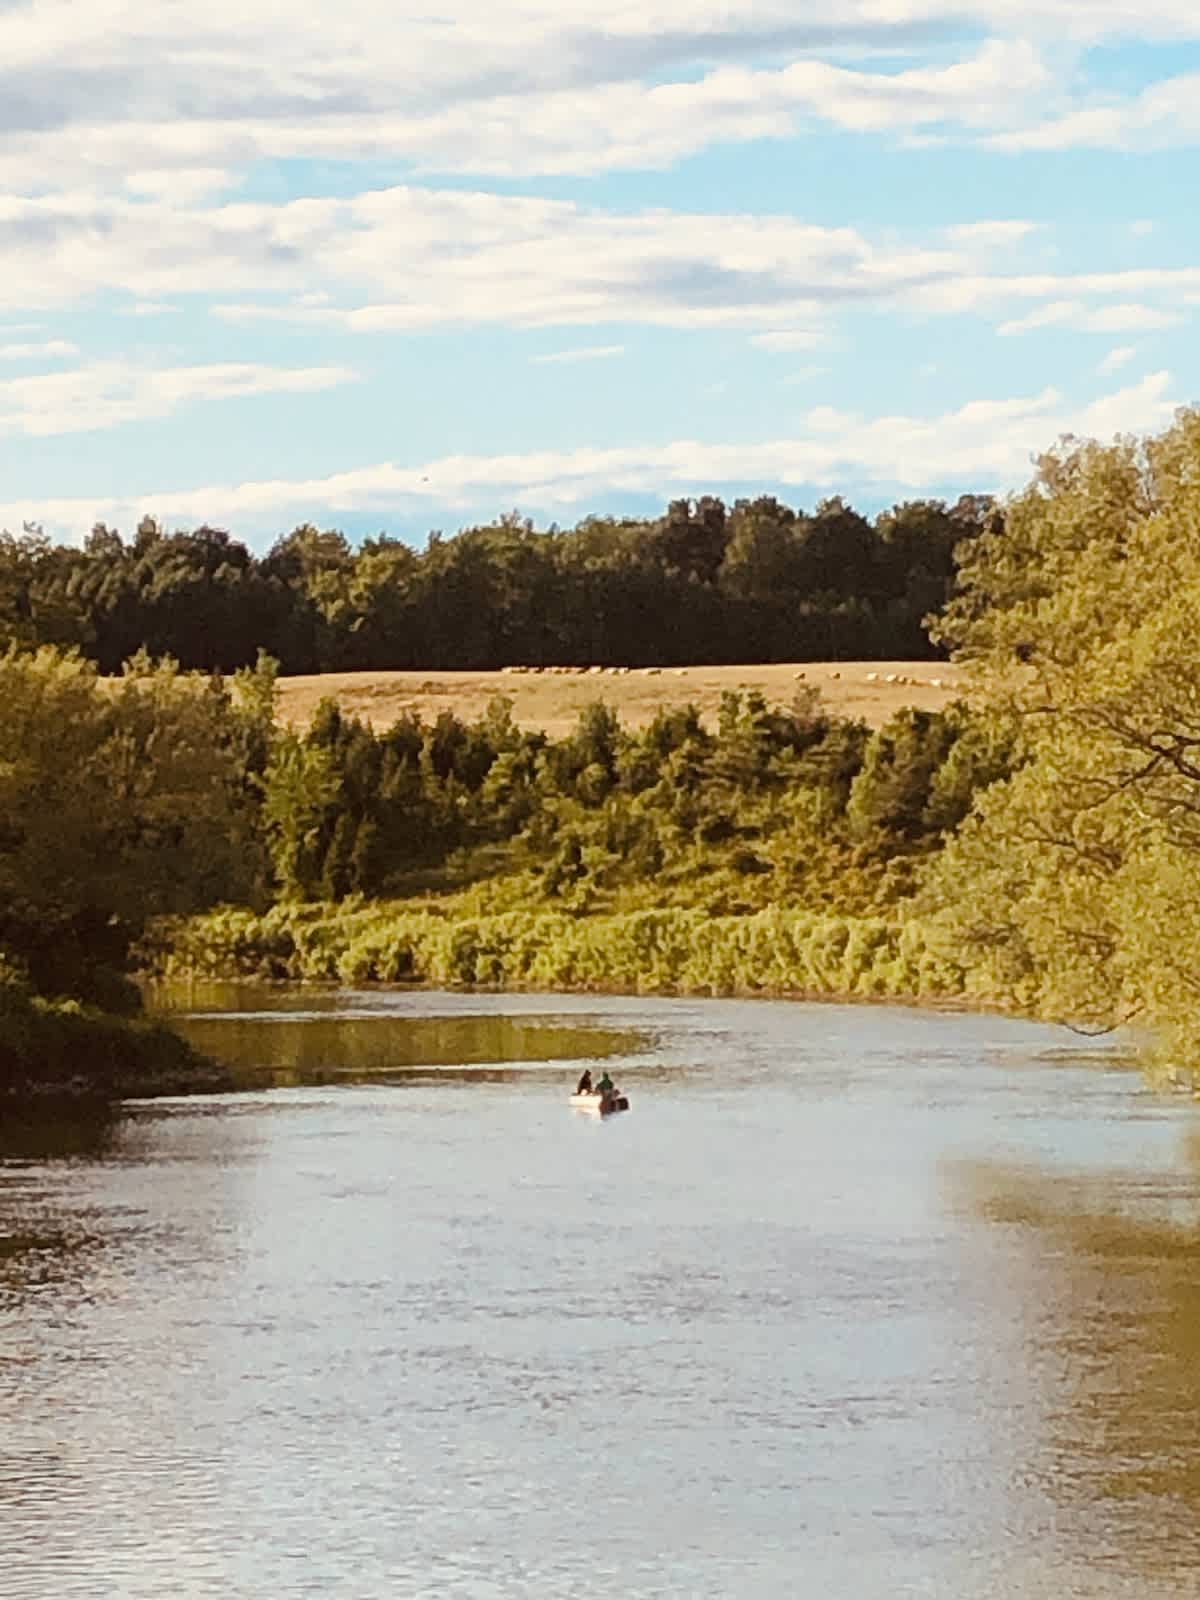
(130, 806)
(1046, 843)
(757, 581)
(1039, 848)
(775, 805)
(476, 852)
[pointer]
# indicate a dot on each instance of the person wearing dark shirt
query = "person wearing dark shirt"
(584, 1086)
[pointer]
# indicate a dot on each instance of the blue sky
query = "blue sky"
(382, 268)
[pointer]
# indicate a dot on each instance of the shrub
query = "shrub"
(666, 950)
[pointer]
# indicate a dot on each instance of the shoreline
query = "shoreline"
(948, 1004)
(198, 1074)
(70, 1055)
(150, 1058)
(205, 1075)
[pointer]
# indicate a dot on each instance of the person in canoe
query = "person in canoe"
(584, 1086)
(606, 1086)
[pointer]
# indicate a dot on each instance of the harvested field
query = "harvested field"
(551, 698)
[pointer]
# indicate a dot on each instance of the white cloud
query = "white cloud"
(984, 292)
(455, 256)
(46, 349)
(186, 184)
(1116, 359)
(592, 352)
(496, 86)
(1142, 228)
(990, 236)
(174, 101)
(985, 443)
(1048, 316)
(1140, 408)
(632, 124)
(409, 258)
(127, 133)
(125, 126)
(1123, 318)
(1163, 115)
(1129, 319)
(106, 394)
(784, 339)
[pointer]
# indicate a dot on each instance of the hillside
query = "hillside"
(551, 698)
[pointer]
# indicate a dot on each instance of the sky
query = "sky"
(395, 267)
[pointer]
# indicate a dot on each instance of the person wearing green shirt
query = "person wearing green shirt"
(605, 1086)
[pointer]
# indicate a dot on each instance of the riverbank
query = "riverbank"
(61, 1050)
(670, 950)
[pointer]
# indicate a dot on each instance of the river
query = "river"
(855, 1302)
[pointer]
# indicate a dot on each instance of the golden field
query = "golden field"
(551, 698)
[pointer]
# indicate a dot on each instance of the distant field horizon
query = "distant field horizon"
(551, 698)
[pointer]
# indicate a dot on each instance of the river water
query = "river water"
(854, 1302)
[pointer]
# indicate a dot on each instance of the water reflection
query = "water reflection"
(58, 1130)
(40, 1241)
(340, 1340)
(1104, 1271)
(35, 1257)
(284, 1048)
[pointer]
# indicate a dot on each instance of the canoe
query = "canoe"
(601, 1105)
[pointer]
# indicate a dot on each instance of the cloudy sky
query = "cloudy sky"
(391, 266)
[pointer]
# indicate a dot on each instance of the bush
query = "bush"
(67, 1048)
(669, 950)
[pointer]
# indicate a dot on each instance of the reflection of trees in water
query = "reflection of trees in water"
(316, 1049)
(36, 1248)
(57, 1131)
(44, 1239)
(33, 1252)
(1109, 1298)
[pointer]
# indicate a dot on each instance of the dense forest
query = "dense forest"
(1037, 848)
(703, 583)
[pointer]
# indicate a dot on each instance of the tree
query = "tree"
(117, 803)
(1076, 883)
(337, 873)
(300, 789)
(700, 583)
(889, 798)
(366, 859)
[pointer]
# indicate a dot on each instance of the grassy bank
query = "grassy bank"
(62, 1048)
(673, 950)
